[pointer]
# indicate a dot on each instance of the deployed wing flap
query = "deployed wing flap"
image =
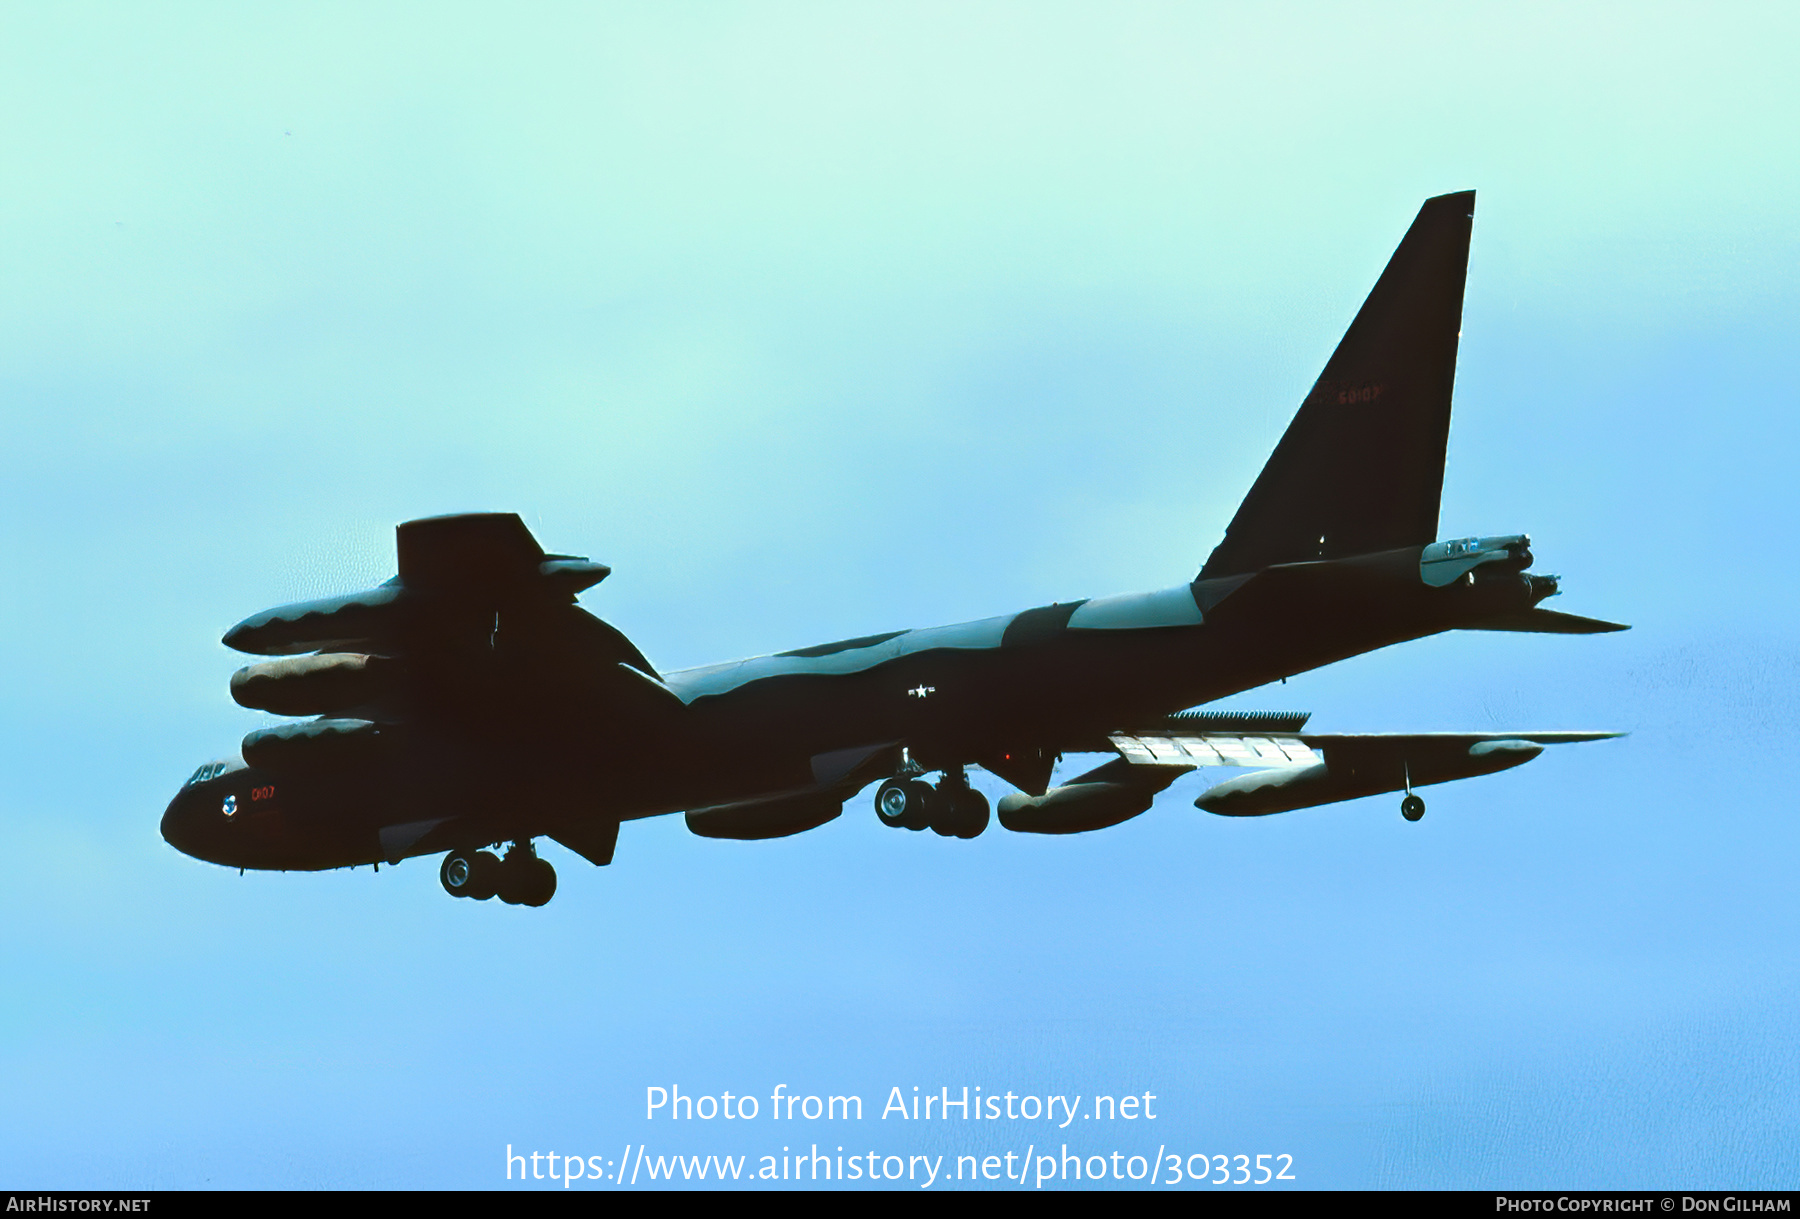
(1190, 750)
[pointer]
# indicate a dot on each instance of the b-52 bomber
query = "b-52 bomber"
(470, 703)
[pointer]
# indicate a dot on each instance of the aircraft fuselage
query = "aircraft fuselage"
(1053, 677)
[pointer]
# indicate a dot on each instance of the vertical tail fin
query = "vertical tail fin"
(1361, 467)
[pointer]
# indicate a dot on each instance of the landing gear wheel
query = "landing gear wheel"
(457, 873)
(968, 816)
(541, 883)
(890, 804)
(1412, 808)
(524, 879)
(486, 878)
(905, 804)
(961, 812)
(511, 886)
(946, 810)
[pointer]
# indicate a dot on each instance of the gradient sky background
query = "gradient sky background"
(819, 320)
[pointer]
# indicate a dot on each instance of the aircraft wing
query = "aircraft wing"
(1289, 768)
(1303, 769)
(1190, 750)
(471, 660)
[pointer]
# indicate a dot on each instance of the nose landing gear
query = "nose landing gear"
(521, 879)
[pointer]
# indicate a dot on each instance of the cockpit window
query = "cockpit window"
(211, 770)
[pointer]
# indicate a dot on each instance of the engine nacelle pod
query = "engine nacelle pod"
(314, 746)
(1073, 809)
(1115, 792)
(1284, 789)
(307, 626)
(377, 620)
(456, 572)
(313, 685)
(766, 818)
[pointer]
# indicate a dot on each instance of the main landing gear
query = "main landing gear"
(521, 879)
(952, 808)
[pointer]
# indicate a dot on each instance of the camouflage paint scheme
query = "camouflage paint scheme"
(470, 701)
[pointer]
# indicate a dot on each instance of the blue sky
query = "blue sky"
(814, 322)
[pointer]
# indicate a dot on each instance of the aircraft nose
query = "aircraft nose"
(179, 823)
(200, 811)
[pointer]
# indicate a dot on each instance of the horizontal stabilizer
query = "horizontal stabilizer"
(1547, 622)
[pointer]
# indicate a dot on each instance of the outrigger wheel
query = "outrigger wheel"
(1412, 808)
